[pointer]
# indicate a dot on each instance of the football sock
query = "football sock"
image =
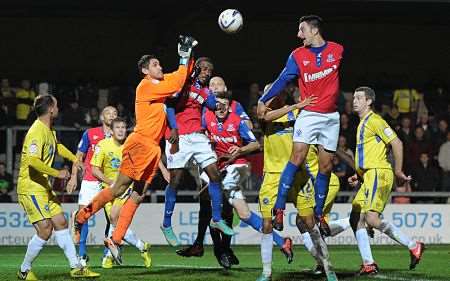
(321, 248)
(308, 243)
(83, 237)
(97, 203)
(364, 246)
(394, 233)
(65, 242)
(254, 221)
(320, 192)
(227, 214)
(132, 239)
(338, 226)
(126, 216)
(34, 247)
(286, 180)
(169, 205)
(204, 215)
(215, 193)
(266, 253)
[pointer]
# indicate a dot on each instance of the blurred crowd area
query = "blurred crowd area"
(419, 115)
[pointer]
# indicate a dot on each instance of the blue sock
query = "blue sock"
(254, 221)
(215, 193)
(83, 237)
(169, 205)
(320, 192)
(279, 241)
(286, 180)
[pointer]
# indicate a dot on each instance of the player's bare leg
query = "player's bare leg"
(415, 248)
(215, 193)
(321, 188)
(298, 156)
(320, 247)
(169, 205)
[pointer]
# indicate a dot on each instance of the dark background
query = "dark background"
(384, 41)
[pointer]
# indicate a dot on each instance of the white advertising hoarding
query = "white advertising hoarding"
(427, 223)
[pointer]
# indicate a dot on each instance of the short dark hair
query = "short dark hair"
(143, 62)
(42, 103)
(203, 59)
(118, 120)
(313, 21)
(369, 93)
(224, 95)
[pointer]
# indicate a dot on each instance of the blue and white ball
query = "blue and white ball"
(231, 21)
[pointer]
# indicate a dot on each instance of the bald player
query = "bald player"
(90, 185)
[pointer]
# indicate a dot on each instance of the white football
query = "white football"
(231, 21)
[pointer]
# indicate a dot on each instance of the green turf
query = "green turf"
(393, 262)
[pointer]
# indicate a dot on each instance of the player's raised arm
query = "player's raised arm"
(270, 115)
(289, 73)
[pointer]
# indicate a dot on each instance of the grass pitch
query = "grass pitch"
(393, 262)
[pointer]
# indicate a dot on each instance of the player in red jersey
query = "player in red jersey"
(316, 67)
(193, 144)
(90, 185)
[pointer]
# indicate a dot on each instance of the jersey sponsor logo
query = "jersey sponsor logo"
(197, 97)
(311, 77)
(217, 138)
(330, 58)
(231, 128)
(115, 163)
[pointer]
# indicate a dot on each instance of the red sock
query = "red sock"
(125, 218)
(97, 203)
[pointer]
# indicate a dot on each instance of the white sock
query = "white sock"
(322, 255)
(364, 246)
(308, 243)
(34, 247)
(266, 253)
(339, 226)
(65, 242)
(132, 239)
(394, 233)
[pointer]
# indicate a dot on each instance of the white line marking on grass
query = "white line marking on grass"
(385, 277)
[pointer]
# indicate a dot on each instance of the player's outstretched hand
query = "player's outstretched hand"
(353, 181)
(185, 45)
(173, 137)
(307, 101)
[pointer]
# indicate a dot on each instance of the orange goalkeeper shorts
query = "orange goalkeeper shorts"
(140, 160)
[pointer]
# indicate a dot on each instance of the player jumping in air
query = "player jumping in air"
(141, 152)
(375, 177)
(187, 133)
(316, 67)
(105, 167)
(35, 193)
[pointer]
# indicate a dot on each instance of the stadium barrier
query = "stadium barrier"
(425, 222)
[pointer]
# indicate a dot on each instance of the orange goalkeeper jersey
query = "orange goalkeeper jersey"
(150, 107)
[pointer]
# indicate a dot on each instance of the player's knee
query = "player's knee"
(45, 231)
(267, 226)
(373, 220)
(118, 190)
(136, 197)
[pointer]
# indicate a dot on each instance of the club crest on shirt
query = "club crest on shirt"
(266, 201)
(330, 58)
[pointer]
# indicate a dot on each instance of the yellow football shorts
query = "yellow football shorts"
(40, 206)
(304, 201)
(374, 191)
